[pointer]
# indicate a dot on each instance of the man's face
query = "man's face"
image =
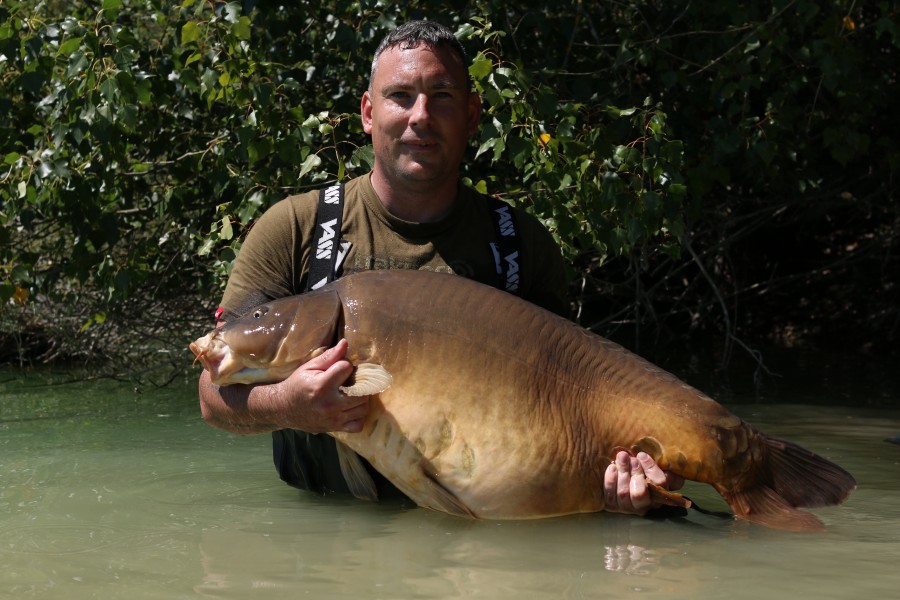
(420, 114)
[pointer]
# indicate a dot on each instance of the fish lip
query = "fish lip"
(215, 356)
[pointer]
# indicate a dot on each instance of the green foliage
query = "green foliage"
(143, 135)
(604, 179)
(141, 138)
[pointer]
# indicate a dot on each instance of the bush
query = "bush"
(688, 158)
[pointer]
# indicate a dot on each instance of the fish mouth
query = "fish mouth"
(215, 356)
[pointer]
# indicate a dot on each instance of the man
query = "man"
(409, 212)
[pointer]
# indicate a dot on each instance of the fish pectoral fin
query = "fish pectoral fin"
(438, 497)
(367, 379)
(665, 497)
(355, 474)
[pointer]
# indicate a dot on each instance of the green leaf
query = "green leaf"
(109, 88)
(481, 68)
(8, 29)
(69, 46)
(190, 32)
(6, 291)
(242, 29)
(486, 145)
(226, 233)
(651, 201)
(206, 247)
(312, 162)
(620, 112)
(259, 148)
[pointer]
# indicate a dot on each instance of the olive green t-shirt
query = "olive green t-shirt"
(274, 259)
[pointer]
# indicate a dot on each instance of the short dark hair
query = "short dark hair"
(413, 33)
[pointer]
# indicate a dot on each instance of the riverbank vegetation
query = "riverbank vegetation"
(713, 170)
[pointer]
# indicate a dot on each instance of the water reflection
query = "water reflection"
(321, 549)
(631, 559)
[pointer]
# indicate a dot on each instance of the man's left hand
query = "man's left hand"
(625, 487)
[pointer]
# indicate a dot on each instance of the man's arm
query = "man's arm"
(308, 400)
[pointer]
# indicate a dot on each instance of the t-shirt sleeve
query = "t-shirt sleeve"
(269, 262)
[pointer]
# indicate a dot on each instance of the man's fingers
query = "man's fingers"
(623, 484)
(610, 479)
(327, 358)
(626, 482)
(640, 496)
(353, 426)
(337, 373)
(654, 474)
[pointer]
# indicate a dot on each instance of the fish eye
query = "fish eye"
(260, 313)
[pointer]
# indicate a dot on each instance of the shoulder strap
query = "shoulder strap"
(325, 248)
(506, 245)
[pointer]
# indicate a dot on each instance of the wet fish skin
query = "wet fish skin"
(495, 408)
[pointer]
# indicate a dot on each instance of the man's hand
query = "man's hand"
(625, 487)
(309, 400)
(317, 405)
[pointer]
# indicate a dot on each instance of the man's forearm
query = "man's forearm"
(236, 408)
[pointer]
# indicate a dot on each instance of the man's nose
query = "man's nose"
(420, 115)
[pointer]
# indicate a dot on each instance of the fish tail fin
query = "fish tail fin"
(789, 477)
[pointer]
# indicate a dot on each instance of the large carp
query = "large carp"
(484, 405)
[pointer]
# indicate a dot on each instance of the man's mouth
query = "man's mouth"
(419, 144)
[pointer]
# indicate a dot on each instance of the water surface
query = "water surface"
(108, 492)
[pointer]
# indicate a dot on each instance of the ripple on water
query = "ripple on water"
(57, 539)
(249, 489)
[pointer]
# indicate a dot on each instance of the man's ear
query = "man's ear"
(474, 112)
(365, 111)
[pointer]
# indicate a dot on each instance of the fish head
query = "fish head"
(270, 341)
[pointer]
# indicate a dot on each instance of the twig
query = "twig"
(744, 39)
(728, 332)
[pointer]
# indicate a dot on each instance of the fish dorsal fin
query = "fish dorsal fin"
(355, 474)
(367, 379)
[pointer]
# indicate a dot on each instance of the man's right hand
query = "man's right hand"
(317, 403)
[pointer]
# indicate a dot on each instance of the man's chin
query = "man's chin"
(420, 173)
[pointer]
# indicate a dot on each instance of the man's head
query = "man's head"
(420, 111)
(413, 33)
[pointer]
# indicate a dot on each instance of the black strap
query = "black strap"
(506, 247)
(310, 460)
(326, 238)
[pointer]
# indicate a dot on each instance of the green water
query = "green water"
(108, 493)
